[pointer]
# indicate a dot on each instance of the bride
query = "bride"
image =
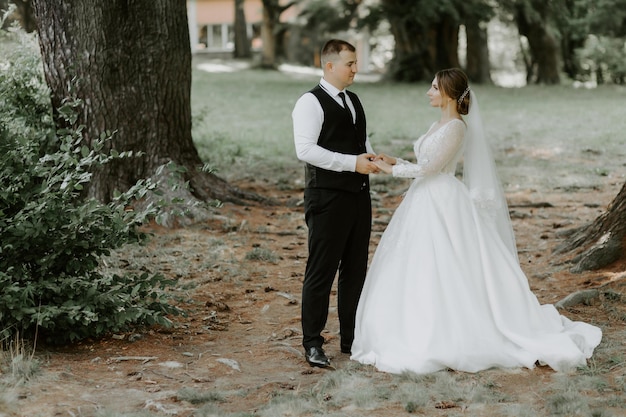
(445, 288)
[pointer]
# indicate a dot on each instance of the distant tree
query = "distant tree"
(577, 37)
(604, 51)
(23, 13)
(426, 36)
(324, 19)
(571, 20)
(535, 21)
(422, 39)
(476, 15)
(272, 9)
(600, 243)
(608, 17)
(543, 66)
(242, 42)
(130, 65)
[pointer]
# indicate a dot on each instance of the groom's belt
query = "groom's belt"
(345, 181)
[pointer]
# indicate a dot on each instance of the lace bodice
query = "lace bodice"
(436, 151)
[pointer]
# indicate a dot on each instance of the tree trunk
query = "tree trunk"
(569, 47)
(478, 65)
(446, 40)
(242, 43)
(420, 49)
(130, 65)
(573, 23)
(600, 243)
(268, 27)
(23, 14)
(411, 60)
(544, 48)
(272, 9)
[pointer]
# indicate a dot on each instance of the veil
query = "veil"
(481, 177)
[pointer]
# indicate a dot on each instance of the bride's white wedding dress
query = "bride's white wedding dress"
(444, 290)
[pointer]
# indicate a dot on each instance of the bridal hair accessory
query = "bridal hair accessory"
(467, 90)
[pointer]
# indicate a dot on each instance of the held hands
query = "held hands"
(365, 164)
(385, 163)
(368, 163)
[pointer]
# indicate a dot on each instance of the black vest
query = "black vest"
(339, 134)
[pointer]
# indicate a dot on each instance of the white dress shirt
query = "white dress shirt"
(308, 117)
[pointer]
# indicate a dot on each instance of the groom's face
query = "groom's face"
(340, 71)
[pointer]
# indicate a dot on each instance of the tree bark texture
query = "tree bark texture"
(242, 43)
(423, 45)
(272, 9)
(544, 47)
(601, 242)
(478, 65)
(445, 37)
(268, 38)
(411, 60)
(130, 64)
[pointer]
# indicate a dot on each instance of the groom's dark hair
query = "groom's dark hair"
(334, 47)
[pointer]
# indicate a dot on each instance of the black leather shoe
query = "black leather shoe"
(315, 356)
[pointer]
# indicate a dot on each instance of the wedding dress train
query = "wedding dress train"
(444, 290)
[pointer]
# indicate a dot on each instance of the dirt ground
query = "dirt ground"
(242, 332)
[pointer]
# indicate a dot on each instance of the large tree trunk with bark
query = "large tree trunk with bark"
(411, 59)
(421, 49)
(543, 67)
(272, 9)
(268, 38)
(243, 48)
(600, 243)
(445, 38)
(569, 48)
(478, 65)
(130, 65)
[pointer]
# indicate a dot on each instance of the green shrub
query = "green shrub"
(262, 254)
(604, 59)
(51, 239)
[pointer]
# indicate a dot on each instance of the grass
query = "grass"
(18, 363)
(243, 126)
(194, 397)
(262, 254)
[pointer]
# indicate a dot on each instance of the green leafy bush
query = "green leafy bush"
(51, 239)
(604, 59)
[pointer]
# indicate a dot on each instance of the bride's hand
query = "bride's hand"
(384, 166)
(388, 159)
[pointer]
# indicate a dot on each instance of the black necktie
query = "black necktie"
(345, 105)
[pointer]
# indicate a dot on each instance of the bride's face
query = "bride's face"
(435, 96)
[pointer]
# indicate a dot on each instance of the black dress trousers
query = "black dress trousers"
(339, 224)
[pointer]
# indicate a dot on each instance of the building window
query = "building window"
(219, 37)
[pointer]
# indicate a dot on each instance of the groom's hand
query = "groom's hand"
(365, 164)
(384, 166)
(388, 159)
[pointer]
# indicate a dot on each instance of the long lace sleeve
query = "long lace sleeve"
(435, 152)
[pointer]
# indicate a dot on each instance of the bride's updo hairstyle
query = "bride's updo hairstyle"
(454, 83)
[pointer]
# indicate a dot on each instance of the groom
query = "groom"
(330, 136)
